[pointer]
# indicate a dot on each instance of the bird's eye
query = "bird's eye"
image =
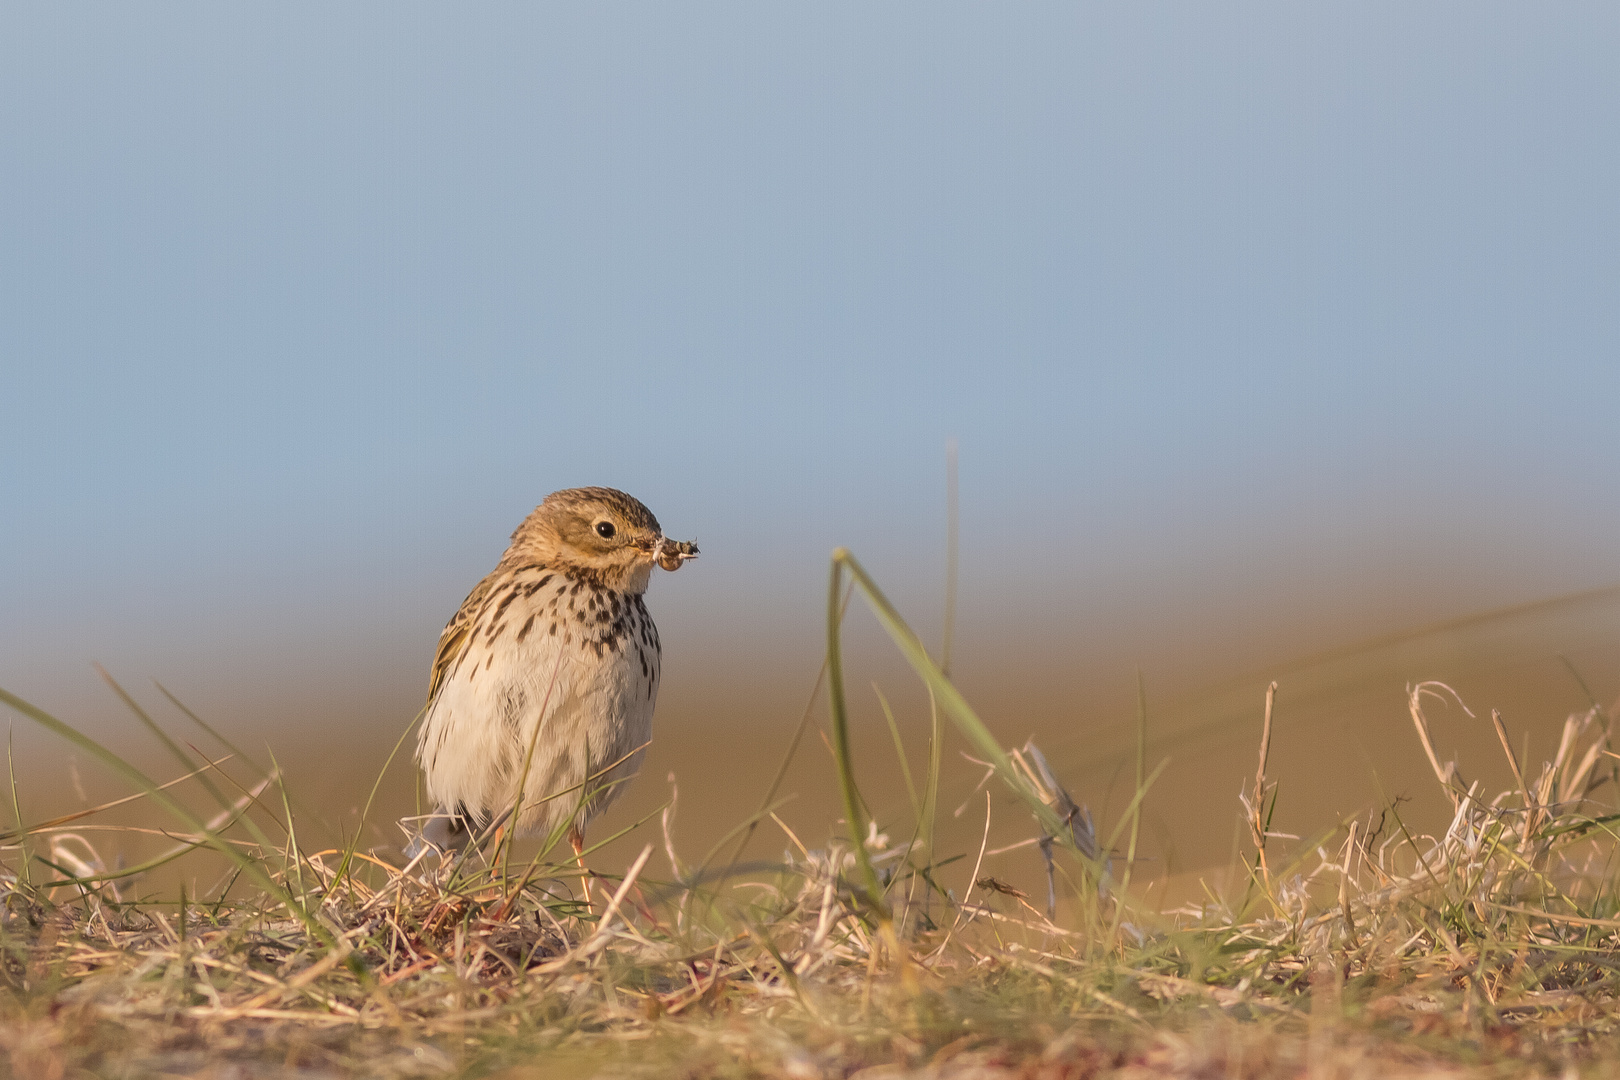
(604, 529)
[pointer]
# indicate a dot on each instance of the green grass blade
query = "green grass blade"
(900, 753)
(251, 867)
(854, 813)
(949, 698)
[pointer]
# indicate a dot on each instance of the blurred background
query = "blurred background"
(1278, 342)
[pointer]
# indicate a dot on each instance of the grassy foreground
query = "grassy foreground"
(1490, 949)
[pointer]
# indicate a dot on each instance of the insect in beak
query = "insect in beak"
(672, 553)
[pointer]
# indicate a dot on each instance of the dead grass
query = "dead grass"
(1369, 950)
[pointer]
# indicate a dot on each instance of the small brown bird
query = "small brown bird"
(542, 693)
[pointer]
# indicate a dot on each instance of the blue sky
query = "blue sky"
(302, 308)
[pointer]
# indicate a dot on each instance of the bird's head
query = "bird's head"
(602, 532)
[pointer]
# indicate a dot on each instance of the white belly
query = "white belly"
(561, 717)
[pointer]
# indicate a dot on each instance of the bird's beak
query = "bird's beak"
(672, 553)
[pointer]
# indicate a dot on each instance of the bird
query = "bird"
(542, 690)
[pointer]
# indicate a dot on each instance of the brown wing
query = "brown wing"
(457, 632)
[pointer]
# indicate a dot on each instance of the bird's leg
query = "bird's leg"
(576, 839)
(500, 855)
